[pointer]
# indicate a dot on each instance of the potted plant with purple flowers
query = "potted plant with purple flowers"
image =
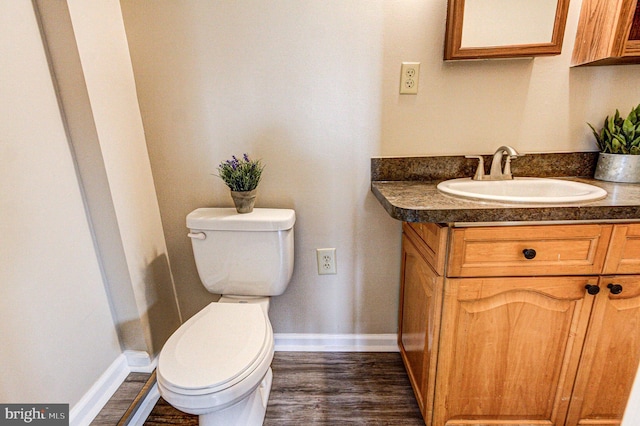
(242, 177)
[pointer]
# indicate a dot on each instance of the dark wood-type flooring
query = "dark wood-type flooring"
(323, 388)
(125, 400)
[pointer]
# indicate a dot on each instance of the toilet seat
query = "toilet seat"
(216, 349)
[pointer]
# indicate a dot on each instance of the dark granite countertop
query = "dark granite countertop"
(406, 188)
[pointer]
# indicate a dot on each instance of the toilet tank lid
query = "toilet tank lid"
(227, 219)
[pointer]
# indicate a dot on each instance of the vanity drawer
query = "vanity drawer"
(624, 250)
(433, 237)
(528, 250)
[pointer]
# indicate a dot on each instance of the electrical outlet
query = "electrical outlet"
(409, 76)
(326, 261)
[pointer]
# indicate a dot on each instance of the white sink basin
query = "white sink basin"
(523, 190)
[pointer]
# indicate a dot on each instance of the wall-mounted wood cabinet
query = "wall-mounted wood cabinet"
(524, 327)
(608, 33)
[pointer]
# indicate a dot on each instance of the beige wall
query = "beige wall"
(298, 85)
(536, 105)
(83, 261)
(102, 48)
(57, 332)
(312, 89)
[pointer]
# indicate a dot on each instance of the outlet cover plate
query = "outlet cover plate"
(409, 77)
(326, 261)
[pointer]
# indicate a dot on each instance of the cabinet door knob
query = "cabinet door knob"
(529, 253)
(592, 289)
(615, 288)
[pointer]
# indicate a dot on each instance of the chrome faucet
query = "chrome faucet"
(497, 172)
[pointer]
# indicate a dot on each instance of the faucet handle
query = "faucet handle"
(506, 173)
(507, 165)
(479, 175)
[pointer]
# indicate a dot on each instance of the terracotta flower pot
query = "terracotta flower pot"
(244, 200)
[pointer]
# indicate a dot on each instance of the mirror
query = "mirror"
(479, 29)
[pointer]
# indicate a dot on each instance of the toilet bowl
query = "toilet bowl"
(217, 364)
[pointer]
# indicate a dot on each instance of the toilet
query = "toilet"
(218, 363)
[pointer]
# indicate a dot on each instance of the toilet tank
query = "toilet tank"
(249, 254)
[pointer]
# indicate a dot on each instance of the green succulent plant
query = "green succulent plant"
(620, 135)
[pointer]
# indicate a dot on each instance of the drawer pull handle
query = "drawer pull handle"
(615, 288)
(529, 253)
(592, 289)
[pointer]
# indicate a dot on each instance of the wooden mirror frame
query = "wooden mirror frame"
(453, 37)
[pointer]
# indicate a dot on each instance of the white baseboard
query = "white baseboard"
(98, 395)
(294, 342)
(146, 406)
(632, 413)
(91, 403)
(140, 361)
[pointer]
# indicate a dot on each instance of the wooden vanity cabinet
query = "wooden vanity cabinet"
(624, 251)
(611, 352)
(608, 33)
(610, 356)
(516, 341)
(420, 309)
(509, 349)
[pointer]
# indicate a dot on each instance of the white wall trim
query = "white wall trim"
(632, 412)
(98, 395)
(294, 342)
(140, 361)
(146, 406)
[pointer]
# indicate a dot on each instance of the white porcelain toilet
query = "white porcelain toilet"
(217, 364)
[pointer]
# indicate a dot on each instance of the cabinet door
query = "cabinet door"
(608, 33)
(611, 355)
(510, 349)
(420, 309)
(433, 239)
(623, 256)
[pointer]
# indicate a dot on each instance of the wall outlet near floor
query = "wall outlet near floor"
(410, 73)
(326, 261)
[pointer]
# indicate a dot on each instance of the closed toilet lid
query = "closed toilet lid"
(215, 346)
